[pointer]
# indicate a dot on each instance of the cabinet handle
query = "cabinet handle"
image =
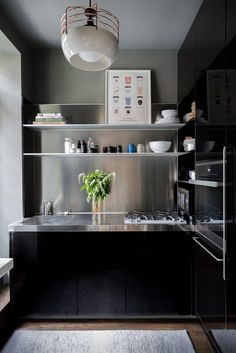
(224, 210)
(210, 253)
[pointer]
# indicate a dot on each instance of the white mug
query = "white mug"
(140, 148)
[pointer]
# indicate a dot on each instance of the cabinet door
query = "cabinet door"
(210, 36)
(210, 62)
(44, 276)
(186, 72)
(230, 107)
(209, 290)
(230, 89)
(168, 263)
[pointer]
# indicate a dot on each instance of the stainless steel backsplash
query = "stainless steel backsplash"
(142, 182)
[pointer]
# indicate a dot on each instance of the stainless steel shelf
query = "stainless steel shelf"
(209, 183)
(124, 154)
(104, 127)
(97, 103)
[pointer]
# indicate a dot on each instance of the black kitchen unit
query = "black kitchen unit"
(101, 274)
(211, 83)
(119, 275)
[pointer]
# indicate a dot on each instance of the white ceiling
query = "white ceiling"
(144, 24)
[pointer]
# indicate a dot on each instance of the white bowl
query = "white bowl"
(205, 146)
(159, 146)
(169, 113)
(168, 121)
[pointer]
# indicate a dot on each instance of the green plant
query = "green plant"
(97, 185)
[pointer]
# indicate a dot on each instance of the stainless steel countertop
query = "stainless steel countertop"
(84, 222)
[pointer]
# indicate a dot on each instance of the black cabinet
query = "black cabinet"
(210, 288)
(213, 36)
(230, 94)
(95, 274)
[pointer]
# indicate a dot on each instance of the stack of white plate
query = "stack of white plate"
(169, 117)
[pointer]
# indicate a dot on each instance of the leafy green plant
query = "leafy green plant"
(97, 185)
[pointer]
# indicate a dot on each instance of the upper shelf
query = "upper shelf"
(104, 127)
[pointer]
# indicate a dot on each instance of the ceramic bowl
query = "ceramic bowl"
(159, 146)
(169, 113)
(205, 146)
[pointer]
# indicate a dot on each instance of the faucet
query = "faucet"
(47, 208)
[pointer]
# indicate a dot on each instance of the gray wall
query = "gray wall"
(13, 35)
(56, 81)
(15, 82)
(10, 145)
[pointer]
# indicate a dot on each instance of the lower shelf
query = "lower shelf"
(124, 154)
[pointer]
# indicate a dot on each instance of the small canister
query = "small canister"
(140, 148)
(73, 148)
(68, 145)
(189, 144)
(131, 148)
(119, 149)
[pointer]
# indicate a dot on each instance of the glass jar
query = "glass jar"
(68, 144)
(189, 144)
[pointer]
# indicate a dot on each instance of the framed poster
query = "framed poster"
(128, 97)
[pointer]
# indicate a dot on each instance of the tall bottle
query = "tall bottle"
(90, 144)
(79, 147)
(84, 147)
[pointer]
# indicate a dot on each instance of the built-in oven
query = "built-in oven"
(211, 170)
(209, 200)
(215, 206)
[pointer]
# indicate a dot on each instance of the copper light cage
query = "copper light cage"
(75, 16)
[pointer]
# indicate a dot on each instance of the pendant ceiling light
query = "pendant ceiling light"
(89, 37)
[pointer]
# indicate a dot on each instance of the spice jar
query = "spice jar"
(189, 144)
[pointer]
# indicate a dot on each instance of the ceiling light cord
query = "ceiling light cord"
(90, 12)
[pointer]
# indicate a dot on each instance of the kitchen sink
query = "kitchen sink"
(53, 220)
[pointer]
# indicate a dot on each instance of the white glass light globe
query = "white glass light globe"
(90, 56)
(89, 48)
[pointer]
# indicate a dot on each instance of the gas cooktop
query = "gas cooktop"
(153, 217)
(211, 219)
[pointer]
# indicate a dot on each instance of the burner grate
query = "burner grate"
(155, 217)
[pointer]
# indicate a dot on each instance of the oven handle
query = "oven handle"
(210, 253)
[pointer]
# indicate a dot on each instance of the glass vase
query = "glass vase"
(96, 211)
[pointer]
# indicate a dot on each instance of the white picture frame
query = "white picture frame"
(128, 97)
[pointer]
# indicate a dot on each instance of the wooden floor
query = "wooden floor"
(199, 339)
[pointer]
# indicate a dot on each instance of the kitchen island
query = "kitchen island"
(72, 266)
